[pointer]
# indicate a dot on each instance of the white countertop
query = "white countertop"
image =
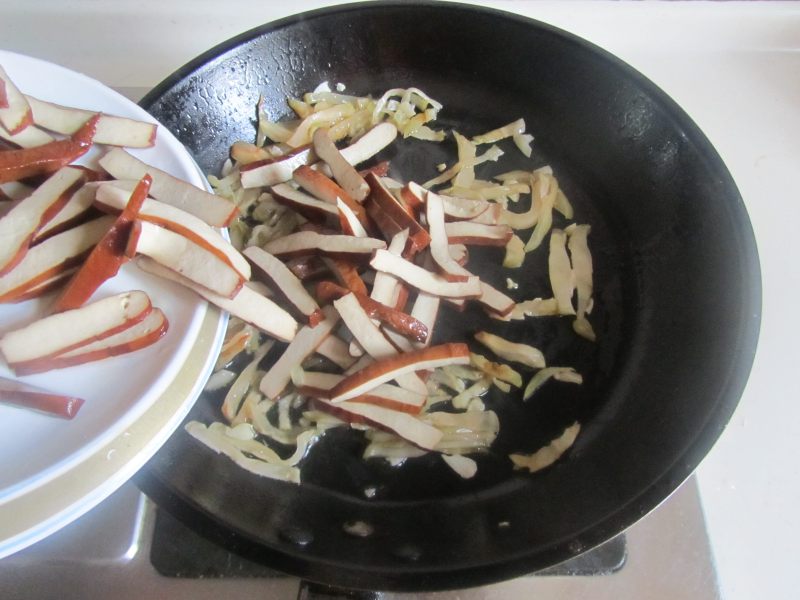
(733, 66)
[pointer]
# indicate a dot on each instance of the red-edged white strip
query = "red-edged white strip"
(311, 242)
(478, 234)
(214, 210)
(371, 338)
(272, 171)
(406, 426)
(423, 279)
(366, 332)
(70, 214)
(304, 344)
(413, 195)
(115, 195)
(495, 300)
(327, 291)
(46, 286)
(369, 144)
(248, 305)
(349, 220)
(386, 395)
(285, 283)
(323, 187)
(15, 112)
(310, 207)
(440, 252)
(186, 257)
(315, 383)
(112, 130)
(19, 225)
(384, 288)
(336, 350)
(387, 369)
(140, 335)
(426, 308)
(30, 137)
(62, 332)
(53, 256)
(418, 237)
(343, 172)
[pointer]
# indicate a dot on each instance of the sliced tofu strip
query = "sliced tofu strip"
(115, 195)
(406, 426)
(214, 210)
(66, 331)
(423, 279)
(311, 242)
(112, 130)
(304, 344)
(140, 335)
(19, 225)
(248, 305)
(285, 283)
(272, 171)
(343, 172)
(53, 256)
(15, 112)
(382, 371)
(184, 256)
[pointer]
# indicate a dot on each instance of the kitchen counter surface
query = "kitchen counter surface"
(733, 66)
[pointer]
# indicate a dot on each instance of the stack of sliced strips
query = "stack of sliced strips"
(67, 228)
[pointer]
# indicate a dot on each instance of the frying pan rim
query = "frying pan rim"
(291, 558)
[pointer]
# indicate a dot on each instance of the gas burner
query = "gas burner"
(145, 552)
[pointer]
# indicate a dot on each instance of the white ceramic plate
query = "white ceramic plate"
(36, 449)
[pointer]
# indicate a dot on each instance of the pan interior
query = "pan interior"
(676, 300)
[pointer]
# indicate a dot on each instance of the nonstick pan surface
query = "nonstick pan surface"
(677, 302)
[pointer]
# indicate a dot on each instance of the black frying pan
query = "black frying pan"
(677, 302)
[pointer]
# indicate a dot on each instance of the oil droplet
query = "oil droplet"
(297, 535)
(358, 529)
(110, 453)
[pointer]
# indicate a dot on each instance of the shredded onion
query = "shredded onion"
(520, 353)
(566, 374)
(582, 270)
(495, 135)
(544, 457)
(515, 253)
(219, 379)
(243, 383)
(561, 277)
(227, 445)
(493, 369)
(545, 214)
(464, 466)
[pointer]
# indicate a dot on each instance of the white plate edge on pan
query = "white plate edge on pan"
(192, 340)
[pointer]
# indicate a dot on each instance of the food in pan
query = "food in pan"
(365, 259)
